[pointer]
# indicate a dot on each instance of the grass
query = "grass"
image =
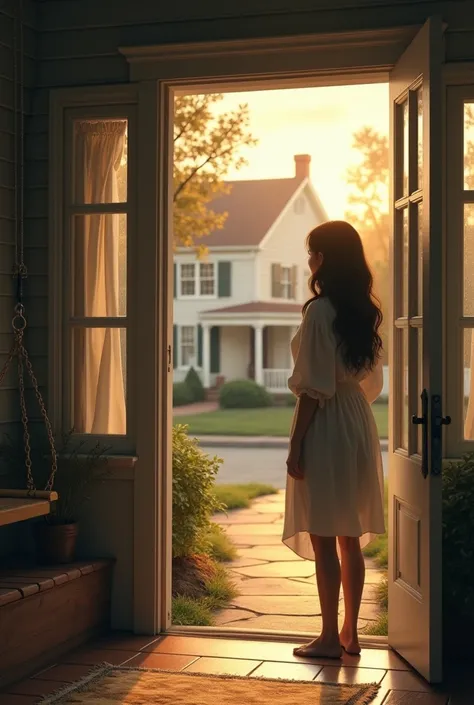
(378, 548)
(240, 496)
(190, 612)
(273, 421)
(379, 627)
(221, 547)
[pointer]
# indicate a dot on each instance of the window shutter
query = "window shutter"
(175, 283)
(175, 346)
(199, 345)
(215, 350)
(224, 279)
(294, 281)
(276, 281)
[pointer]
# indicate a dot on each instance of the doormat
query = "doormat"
(113, 685)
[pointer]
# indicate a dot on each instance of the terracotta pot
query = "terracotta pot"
(56, 543)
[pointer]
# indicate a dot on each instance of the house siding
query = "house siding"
(286, 246)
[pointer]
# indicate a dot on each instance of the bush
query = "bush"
(243, 394)
(182, 394)
(195, 386)
(194, 498)
(458, 551)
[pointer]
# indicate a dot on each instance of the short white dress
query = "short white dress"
(342, 490)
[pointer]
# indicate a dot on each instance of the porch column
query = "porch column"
(258, 354)
(206, 355)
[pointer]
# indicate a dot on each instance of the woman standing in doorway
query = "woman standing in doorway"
(334, 495)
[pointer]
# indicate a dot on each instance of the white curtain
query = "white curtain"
(99, 395)
(469, 423)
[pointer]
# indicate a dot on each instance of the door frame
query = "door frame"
(161, 72)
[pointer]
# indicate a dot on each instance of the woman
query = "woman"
(335, 479)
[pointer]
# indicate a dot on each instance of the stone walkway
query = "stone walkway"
(277, 589)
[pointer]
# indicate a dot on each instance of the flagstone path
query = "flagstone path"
(277, 589)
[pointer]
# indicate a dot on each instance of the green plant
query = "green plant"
(243, 394)
(379, 627)
(79, 467)
(190, 612)
(194, 498)
(240, 496)
(195, 386)
(458, 546)
(182, 395)
(220, 547)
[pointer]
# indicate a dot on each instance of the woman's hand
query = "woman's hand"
(293, 464)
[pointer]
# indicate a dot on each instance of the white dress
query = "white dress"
(342, 490)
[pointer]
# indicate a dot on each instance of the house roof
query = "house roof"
(259, 307)
(252, 208)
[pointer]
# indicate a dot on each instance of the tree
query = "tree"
(206, 146)
(369, 210)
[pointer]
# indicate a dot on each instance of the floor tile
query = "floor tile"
(34, 686)
(287, 569)
(124, 642)
(405, 680)
(349, 674)
(227, 648)
(288, 671)
(64, 673)
(377, 658)
(227, 666)
(9, 699)
(168, 662)
(406, 697)
(97, 656)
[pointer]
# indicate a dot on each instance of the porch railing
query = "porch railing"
(276, 380)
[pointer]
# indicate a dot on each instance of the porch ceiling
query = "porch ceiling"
(255, 312)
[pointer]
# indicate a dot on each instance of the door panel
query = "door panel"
(416, 353)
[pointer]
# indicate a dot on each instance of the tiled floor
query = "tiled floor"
(398, 684)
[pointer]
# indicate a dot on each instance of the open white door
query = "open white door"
(415, 608)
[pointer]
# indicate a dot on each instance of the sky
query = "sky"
(315, 121)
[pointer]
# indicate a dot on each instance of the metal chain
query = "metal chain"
(20, 272)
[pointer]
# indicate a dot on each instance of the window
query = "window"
(284, 281)
(97, 230)
(187, 346)
(197, 279)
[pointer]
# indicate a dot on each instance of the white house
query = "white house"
(236, 310)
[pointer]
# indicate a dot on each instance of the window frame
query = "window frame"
(286, 282)
(197, 281)
(181, 365)
(457, 323)
(62, 215)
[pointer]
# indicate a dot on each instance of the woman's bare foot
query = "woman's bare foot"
(350, 643)
(320, 648)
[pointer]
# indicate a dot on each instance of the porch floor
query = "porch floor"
(398, 684)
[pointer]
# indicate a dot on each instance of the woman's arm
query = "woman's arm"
(304, 412)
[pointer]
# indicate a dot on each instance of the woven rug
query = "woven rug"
(114, 685)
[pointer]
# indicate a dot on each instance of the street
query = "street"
(243, 465)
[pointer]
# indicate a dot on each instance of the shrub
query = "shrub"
(182, 394)
(195, 386)
(194, 499)
(458, 550)
(243, 394)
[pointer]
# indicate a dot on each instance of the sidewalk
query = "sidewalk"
(254, 442)
(277, 589)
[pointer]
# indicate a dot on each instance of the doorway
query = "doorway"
(237, 299)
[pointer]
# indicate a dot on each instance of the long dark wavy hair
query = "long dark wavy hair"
(345, 279)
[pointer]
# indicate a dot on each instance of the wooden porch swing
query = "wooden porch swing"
(17, 505)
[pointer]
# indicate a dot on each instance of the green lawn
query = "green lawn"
(274, 421)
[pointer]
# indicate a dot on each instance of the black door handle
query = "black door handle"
(423, 421)
(437, 422)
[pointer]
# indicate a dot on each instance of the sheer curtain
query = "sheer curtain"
(469, 422)
(99, 395)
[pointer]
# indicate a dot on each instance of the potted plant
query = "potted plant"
(79, 466)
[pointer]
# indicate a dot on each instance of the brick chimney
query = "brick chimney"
(302, 166)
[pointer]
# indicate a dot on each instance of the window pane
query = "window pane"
(404, 390)
(419, 109)
(468, 385)
(99, 380)
(188, 346)
(188, 283)
(419, 388)
(100, 265)
(469, 146)
(100, 161)
(405, 148)
(206, 279)
(420, 259)
(405, 263)
(468, 261)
